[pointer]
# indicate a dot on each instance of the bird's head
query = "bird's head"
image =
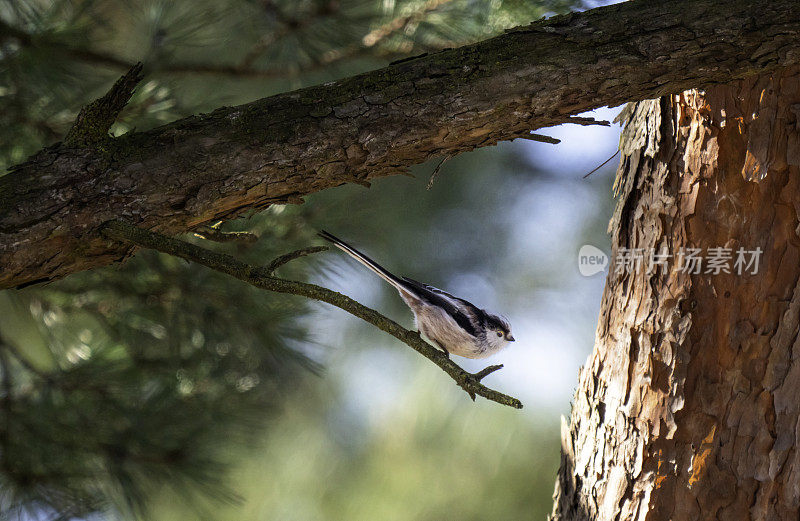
(499, 326)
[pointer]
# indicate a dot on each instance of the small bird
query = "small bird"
(452, 323)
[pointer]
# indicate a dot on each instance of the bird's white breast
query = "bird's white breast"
(437, 325)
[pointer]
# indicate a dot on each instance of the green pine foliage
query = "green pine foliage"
(57, 55)
(122, 381)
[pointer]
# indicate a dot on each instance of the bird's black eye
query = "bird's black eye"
(499, 333)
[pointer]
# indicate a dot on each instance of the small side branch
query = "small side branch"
(601, 165)
(261, 277)
(283, 259)
(212, 233)
(95, 119)
(540, 138)
(435, 172)
(579, 120)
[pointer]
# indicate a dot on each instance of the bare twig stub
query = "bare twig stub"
(579, 120)
(283, 259)
(211, 233)
(435, 172)
(540, 138)
(95, 119)
(261, 277)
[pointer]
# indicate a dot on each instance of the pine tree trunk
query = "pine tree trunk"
(689, 406)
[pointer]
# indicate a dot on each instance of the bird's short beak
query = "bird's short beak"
(510, 338)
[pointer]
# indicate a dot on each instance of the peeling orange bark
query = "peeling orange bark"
(689, 405)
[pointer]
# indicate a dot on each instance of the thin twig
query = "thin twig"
(436, 172)
(579, 120)
(260, 277)
(210, 233)
(483, 373)
(540, 138)
(283, 259)
(400, 23)
(602, 164)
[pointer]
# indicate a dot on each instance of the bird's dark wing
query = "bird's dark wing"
(451, 305)
(466, 315)
(467, 304)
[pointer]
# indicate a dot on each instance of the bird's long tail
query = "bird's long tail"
(366, 261)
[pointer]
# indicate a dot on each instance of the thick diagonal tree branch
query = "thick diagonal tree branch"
(278, 149)
(262, 277)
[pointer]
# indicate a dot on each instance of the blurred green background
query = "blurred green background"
(161, 390)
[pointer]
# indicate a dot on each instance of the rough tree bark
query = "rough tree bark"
(278, 149)
(689, 406)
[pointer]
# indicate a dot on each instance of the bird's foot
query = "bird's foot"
(444, 351)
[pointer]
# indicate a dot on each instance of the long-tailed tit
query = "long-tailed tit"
(452, 323)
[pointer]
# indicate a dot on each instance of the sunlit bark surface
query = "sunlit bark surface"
(688, 407)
